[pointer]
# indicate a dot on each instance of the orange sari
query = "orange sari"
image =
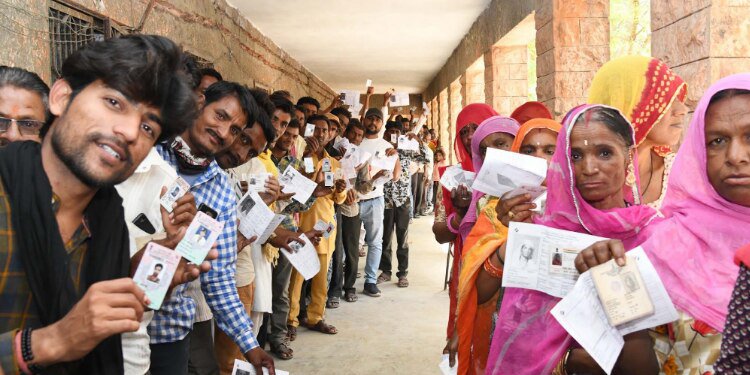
(474, 322)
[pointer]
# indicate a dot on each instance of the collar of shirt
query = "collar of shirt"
(167, 154)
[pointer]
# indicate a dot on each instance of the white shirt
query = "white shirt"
(373, 146)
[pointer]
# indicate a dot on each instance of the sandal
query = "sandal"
(332, 303)
(351, 296)
(291, 332)
(384, 278)
(282, 351)
(322, 327)
(403, 282)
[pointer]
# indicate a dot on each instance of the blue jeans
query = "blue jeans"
(371, 212)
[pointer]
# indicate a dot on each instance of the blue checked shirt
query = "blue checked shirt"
(175, 319)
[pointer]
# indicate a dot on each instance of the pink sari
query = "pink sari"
(524, 324)
(693, 249)
(492, 125)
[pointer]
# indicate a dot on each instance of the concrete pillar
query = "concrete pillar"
(472, 84)
(434, 114)
(454, 105)
(446, 136)
(702, 41)
(572, 42)
(505, 78)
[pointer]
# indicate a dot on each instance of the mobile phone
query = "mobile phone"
(208, 211)
(144, 224)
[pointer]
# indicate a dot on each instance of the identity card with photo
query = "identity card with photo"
(622, 292)
(256, 182)
(309, 165)
(154, 273)
(253, 214)
(199, 238)
(245, 368)
(175, 191)
(309, 130)
(324, 227)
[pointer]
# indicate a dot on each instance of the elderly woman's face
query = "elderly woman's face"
(600, 159)
(728, 148)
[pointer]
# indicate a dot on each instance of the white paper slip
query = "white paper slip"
(350, 97)
(534, 191)
(324, 227)
(541, 203)
(581, 314)
(504, 171)
(294, 182)
(304, 259)
(387, 176)
(256, 182)
(328, 179)
(342, 144)
(542, 258)
(407, 144)
(309, 165)
(277, 219)
(399, 99)
(309, 130)
(245, 368)
(368, 83)
(154, 273)
(175, 191)
(454, 176)
(381, 161)
(445, 366)
(253, 214)
(199, 238)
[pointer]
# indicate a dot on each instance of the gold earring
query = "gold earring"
(630, 178)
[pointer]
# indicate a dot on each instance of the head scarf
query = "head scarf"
(474, 113)
(524, 324)
(492, 125)
(693, 249)
(526, 128)
(643, 88)
(529, 111)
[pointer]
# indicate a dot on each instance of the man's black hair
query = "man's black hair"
(299, 108)
(341, 111)
(192, 70)
(394, 124)
(263, 114)
(283, 94)
(159, 265)
(30, 81)
(354, 124)
(308, 100)
(145, 68)
(284, 105)
(211, 72)
(316, 117)
(264, 102)
(294, 124)
(404, 119)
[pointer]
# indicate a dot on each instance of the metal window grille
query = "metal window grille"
(71, 29)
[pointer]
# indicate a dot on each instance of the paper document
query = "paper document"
(294, 182)
(541, 203)
(178, 188)
(277, 219)
(445, 366)
(582, 315)
(399, 99)
(534, 191)
(504, 171)
(350, 97)
(455, 176)
(542, 258)
(407, 144)
(199, 238)
(254, 215)
(304, 259)
(245, 368)
(622, 292)
(381, 161)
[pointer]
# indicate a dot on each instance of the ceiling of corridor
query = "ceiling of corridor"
(397, 44)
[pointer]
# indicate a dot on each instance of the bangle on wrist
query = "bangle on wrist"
(27, 354)
(449, 222)
(491, 269)
(497, 254)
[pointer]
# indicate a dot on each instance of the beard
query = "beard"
(72, 154)
(371, 130)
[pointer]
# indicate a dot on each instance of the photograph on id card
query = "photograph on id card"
(328, 179)
(154, 273)
(199, 238)
(174, 192)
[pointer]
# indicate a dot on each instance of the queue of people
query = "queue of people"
(623, 166)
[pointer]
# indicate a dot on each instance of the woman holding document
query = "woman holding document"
(707, 212)
(585, 193)
(475, 313)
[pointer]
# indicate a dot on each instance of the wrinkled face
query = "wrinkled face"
(217, 127)
(728, 148)
(599, 158)
(668, 130)
(299, 115)
(321, 131)
(372, 124)
(465, 134)
(206, 81)
(287, 140)
(309, 109)
(27, 108)
(343, 120)
(280, 121)
(249, 144)
(540, 143)
(355, 135)
(101, 135)
(500, 141)
(389, 133)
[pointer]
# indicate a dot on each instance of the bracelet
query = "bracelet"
(19, 357)
(28, 355)
(492, 269)
(561, 369)
(449, 222)
(497, 254)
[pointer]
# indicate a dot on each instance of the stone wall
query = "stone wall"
(506, 78)
(212, 30)
(702, 40)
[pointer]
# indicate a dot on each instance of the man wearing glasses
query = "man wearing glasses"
(23, 106)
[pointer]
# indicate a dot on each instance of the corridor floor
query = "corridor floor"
(402, 332)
